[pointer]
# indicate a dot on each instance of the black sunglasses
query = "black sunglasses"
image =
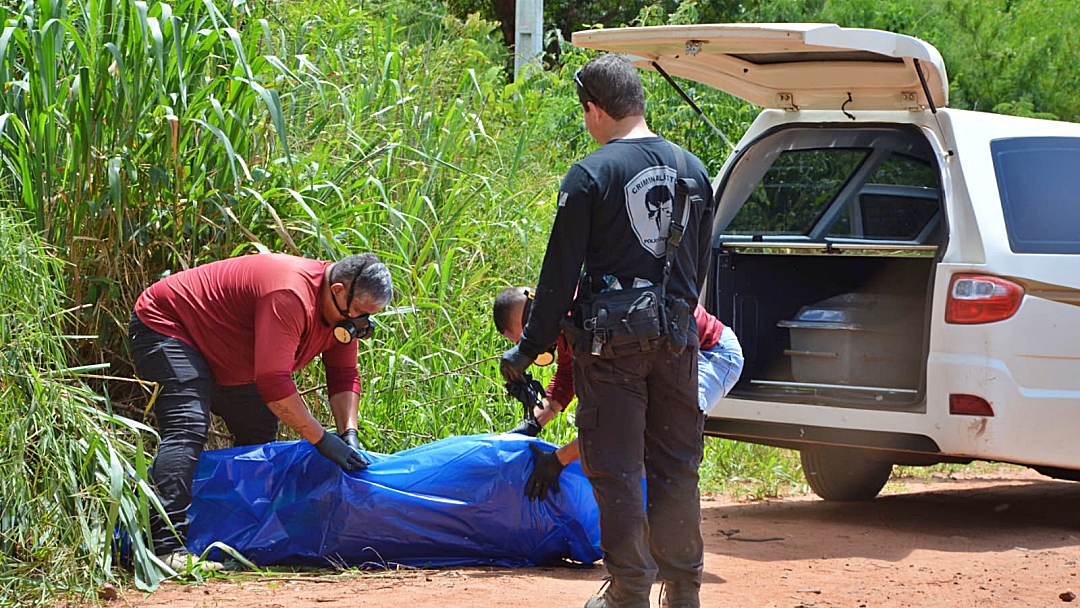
(588, 94)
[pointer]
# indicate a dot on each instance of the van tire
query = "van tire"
(844, 474)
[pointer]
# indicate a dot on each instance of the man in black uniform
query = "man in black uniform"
(637, 414)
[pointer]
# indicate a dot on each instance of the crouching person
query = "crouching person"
(226, 337)
(720, 359)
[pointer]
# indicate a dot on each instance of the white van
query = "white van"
(904, 278)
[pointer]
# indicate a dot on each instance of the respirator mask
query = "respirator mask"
(351, 328)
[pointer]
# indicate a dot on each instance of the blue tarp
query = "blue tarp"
(455, 502)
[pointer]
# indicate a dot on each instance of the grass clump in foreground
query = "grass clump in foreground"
(70, 470)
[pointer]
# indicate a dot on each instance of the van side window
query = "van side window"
(903, 170)
(795, 191)
(1039, 183)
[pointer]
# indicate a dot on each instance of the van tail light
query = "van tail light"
(980, 298)
(969, 405)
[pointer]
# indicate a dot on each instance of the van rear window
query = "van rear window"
(1039, 182)
(795, 191)
(898, 203)
(811, 192)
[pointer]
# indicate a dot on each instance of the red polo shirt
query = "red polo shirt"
(254, 318)
(561, 387)
(709, 328)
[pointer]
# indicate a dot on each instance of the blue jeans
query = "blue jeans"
(719, 369)
(187, 396)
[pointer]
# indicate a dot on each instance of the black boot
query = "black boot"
(680, 595)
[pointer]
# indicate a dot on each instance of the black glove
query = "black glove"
(545, 474)
(352, 438)
(530, 428)
(340, 453)
(513, 364)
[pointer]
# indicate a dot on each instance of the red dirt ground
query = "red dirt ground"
(1007, 538)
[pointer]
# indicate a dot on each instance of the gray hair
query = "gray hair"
(367, 276)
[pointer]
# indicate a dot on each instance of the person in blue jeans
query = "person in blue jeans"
(719, 368)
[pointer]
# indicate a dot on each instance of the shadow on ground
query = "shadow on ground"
(1032, 515)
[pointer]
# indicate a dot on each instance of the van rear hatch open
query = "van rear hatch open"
(790, 65)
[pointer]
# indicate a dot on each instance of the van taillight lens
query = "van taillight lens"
(969, 405)
(979, 298)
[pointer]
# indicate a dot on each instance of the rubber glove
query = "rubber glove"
(351, 438)
(513, 364)
(545, 474)
(334, 448)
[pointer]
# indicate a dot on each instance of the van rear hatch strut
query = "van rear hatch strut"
(692, 104)
(925, 87)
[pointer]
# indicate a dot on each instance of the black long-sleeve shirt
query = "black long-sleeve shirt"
(614, 211)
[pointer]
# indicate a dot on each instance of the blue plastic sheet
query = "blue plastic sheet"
(455, 502)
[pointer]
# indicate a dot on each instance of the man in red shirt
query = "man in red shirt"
(226, 337)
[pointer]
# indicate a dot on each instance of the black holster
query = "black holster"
(626, 322)
(677, 318)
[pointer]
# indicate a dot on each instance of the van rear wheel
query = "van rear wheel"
(844, 474)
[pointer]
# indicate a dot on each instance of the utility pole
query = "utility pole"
(528, 33)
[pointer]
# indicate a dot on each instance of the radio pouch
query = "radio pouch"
(677, 315)
(626, 322)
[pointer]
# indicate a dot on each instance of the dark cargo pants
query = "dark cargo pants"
(187, 396)
(638, 416)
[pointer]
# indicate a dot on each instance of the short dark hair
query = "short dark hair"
(371, 276)
(505, 302)
(612, 82)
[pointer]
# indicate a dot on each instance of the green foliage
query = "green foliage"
(749, 470)
(131, 132)
(1000, 54)
(70, 469)
(565, 16)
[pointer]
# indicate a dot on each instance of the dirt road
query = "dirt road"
(1008, 538)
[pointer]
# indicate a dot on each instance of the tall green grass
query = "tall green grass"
(129, 131)
(71, 471)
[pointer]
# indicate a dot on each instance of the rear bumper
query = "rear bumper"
(902, 448)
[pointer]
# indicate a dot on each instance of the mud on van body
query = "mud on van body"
(904, 277)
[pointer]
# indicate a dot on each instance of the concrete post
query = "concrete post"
(528, 33)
